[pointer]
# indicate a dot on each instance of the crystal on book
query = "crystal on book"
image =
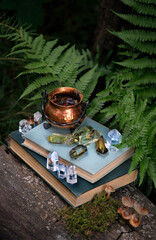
(100, 145)
(61, 172)
(66, 139)
(114, 137)
(24, 127)
(37, 118)
(77, 151)
(71, 174)
(52, 161)
(84, 130)
(89, 138)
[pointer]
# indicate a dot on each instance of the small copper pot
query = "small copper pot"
(64, 116)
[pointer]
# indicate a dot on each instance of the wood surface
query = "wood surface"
(28, 207)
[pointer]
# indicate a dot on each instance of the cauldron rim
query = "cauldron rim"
(61, 90)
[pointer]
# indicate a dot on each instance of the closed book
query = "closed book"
(91, 166)
(80, 192)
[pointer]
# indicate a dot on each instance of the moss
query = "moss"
(96, 215)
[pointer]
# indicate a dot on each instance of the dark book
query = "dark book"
(76, 194)
(91, 166)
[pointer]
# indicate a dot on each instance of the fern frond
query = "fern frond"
(140, 7)
(146, 1)
(38, 83)
(85, 79)
(146, 92)
(152, 170)
(143, 168)
(55, 54)
(48, 47)
(144, 47)
(145, 78)
(91, 86)
(141, 63)
(41, 70)
(35, 65)
(136, 35)
(95, 106)
(137, 157)
(138, 20)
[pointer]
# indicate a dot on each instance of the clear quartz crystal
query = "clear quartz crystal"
(114, 138)
(52, 161)
(37, 118)
(24, 127)
(61, 172)
(71, 174)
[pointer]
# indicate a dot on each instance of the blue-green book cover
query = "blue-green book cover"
(76, 194)
(91, 166)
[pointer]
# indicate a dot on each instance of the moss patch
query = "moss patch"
(96, 215)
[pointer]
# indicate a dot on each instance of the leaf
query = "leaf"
(38, 83)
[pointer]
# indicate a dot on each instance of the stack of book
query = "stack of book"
(95, 171)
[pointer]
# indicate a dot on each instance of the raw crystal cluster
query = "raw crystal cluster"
(63, 171)
(86, 135)
(27, 124)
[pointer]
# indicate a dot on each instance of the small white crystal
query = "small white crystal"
(71, 174)
(61, 172)
(37, 118)
(52, 161)
(24, 127)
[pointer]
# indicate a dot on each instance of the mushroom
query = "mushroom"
(135, 220)
(121, 209)
(127, 201)
(109, 190)
(140, 208)
(126, 214)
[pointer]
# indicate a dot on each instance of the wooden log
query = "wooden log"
(28, 207)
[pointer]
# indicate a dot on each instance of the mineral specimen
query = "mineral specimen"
(77, 151)
(66, 139)
(100, 146)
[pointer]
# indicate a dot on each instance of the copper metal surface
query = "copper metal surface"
(64, 114)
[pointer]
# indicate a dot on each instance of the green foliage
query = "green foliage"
(96, 215)
(51, 65)
(128, 102)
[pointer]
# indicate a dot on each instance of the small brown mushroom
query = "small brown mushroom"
(135, 220)
(109, 190)
(140, 208)
(127, 201)
(121, 209)
(126, 214)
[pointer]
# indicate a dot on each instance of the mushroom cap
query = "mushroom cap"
(121, 209)
(127, 201)
(140, 208)
(135, 220)
(126, 214)
(109, 189)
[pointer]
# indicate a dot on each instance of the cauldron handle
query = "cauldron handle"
(77, 122)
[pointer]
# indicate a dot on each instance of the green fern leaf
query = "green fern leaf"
(145, 47)
(35, 65)
(152, 171)
(37, 70)
(91, 86)
(146, 1)
(37, 41)
(145, 78)
(23, 51)
(141, 63)
(138, 20)
(136, 35)
(143, 168)
(146, 92)
(55, 54)
(141, 8)
(95, 106)
(38, 83)
(137, 157)
(85, 79)
(48, 47)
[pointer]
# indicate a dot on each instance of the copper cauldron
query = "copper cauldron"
(64, 116)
